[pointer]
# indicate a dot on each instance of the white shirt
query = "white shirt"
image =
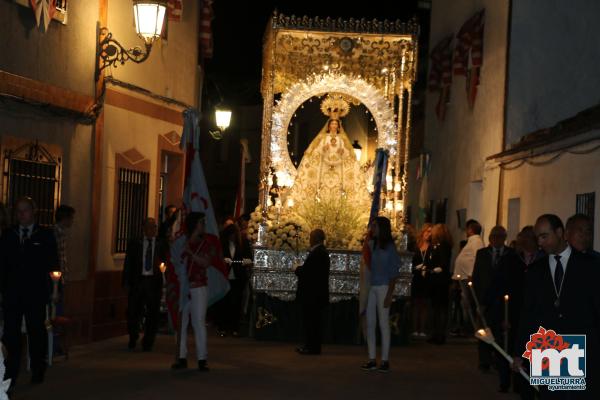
(151, 272)
(465, 261)
(564, 260)
(231, 255)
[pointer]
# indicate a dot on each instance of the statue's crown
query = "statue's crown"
(335, 106)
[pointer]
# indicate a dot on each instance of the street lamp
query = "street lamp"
(222, 120)
(357, 150)
(149, 16)
(223, 117)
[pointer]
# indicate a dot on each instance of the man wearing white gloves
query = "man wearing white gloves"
(464, 263)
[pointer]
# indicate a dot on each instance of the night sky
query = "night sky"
(238, 29)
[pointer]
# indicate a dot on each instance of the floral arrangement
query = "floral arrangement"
(357, 240)
(342, 223)
(254, 224)
(290, 231)
(287, 235)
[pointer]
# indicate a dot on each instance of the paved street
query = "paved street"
(244, 368)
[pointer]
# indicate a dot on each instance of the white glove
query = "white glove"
(228, 260)
(246, 261)
(437, 270)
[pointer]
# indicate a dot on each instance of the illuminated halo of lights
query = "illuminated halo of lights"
(318, 85)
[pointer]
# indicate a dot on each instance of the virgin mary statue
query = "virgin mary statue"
(330, 190)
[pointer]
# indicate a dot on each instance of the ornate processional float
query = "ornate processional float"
(342, 65)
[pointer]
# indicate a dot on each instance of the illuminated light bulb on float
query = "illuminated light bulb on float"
(389, 205)
(399, 206)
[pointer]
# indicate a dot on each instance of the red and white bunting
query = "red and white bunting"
(174, 10)
(206, 36)
(44, 11)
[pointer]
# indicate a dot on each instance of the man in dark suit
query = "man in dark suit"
(485, 269)
(313, 291)
(579, 232)
(143, 280)
(28, 254)
(561, 293)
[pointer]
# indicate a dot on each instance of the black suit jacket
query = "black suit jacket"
(134, 262)
(484, 271)
(313, 278)
(578, 311)
(25, 267)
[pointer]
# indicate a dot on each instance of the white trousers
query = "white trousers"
(195, 310)
(376, 310)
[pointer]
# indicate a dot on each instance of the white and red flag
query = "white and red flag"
(195, 199)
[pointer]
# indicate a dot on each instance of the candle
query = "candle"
(481, 317)
(55, 276)
(163, 267)
(506, 322)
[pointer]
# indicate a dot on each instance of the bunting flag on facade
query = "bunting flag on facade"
(196, 199)
(240, 198)
(468, 54)
(206, 36)
(44, 11)
(174, 10)
(440, 74)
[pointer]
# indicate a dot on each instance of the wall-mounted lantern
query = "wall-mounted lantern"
(149, 16)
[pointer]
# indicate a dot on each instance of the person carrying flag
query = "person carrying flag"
(202, 251)
(196, 273)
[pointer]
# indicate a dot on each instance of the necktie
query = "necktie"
(24, 234)
(496, 256)
(558, 274)
(148, 256)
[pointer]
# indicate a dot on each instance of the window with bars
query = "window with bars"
(586, 204)
(32, 171)
(132, 206)
(441, 209)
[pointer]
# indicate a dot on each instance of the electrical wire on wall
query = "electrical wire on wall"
(554, 156)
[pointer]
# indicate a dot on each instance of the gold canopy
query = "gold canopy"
(381, 54)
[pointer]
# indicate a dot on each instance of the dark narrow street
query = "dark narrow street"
(244, 368)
